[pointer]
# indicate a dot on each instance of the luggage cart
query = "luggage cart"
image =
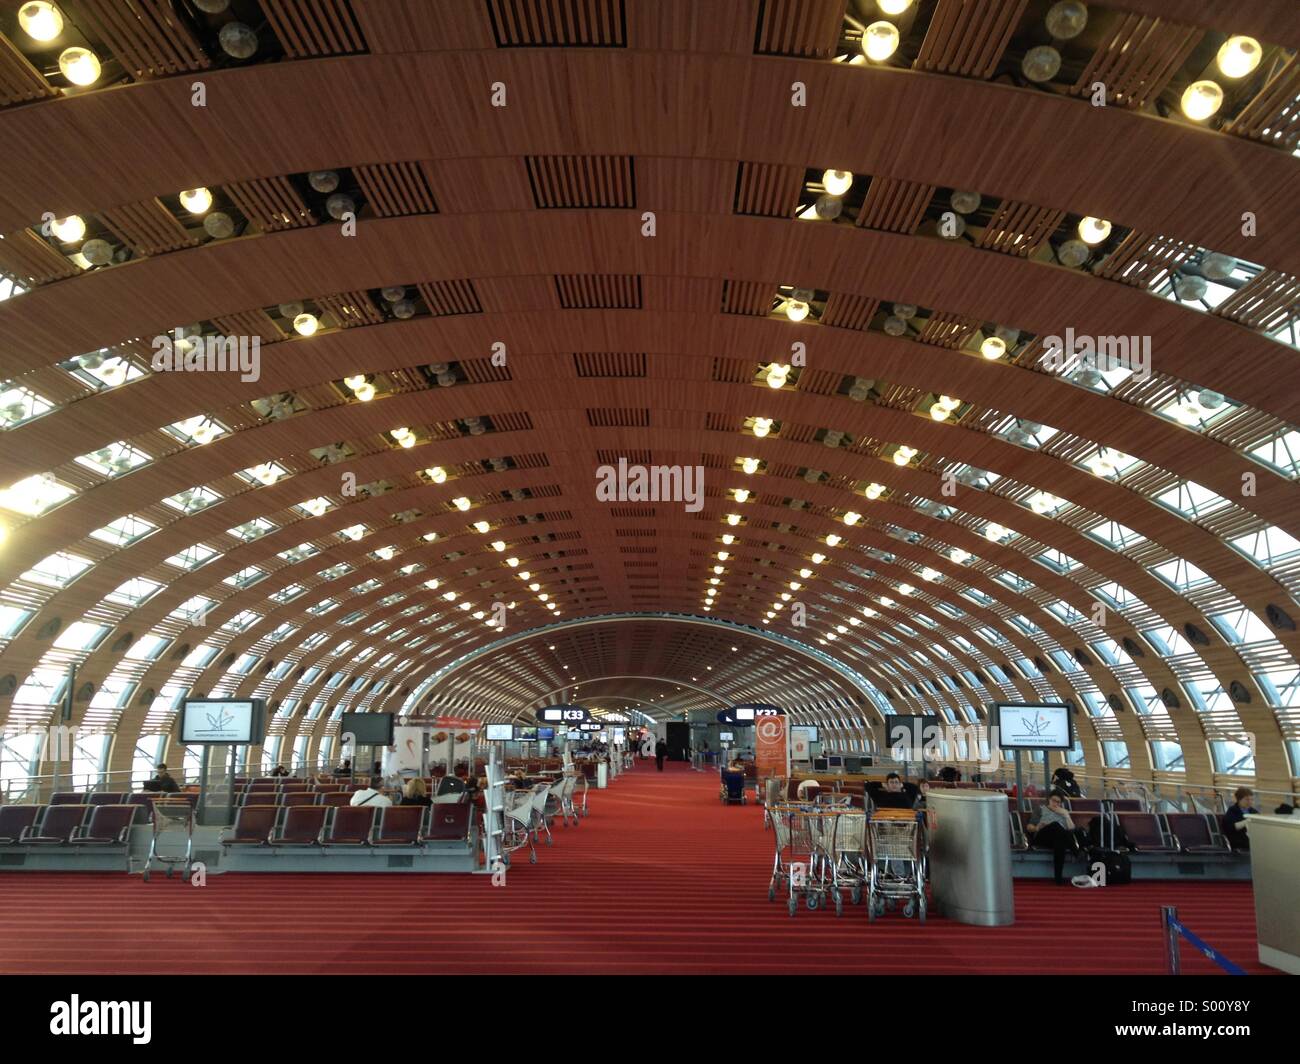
(896, 862)
(170, 818)
(848, 858)
(802, 863)
(517, 825)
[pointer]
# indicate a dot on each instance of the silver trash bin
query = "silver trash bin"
(970, 856)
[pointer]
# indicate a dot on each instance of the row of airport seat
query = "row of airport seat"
(355, 826)
(1163, 833)
(69, 825)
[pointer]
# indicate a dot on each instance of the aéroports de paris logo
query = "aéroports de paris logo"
(219, 720)
(1035, 727)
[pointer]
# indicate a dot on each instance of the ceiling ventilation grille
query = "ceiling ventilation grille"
(893, 205)
(1019, 228)
(270, 203)
(732, 371)
(147, 228)
(806, 29)
(968, 37)
(558, 23)
(948, 330)
(1267, 301)
(144, 35)
(614, 417)
(768, 190)
(582, 180)
(482, 371)
(609, 364)
(1143, 261)
(250, 323)
(30, 261)
(394, 189)
(748, 297)
(517, 421)
(350, 309)
(599, 291)
(444, 298)
(314, 27)
(1136, 59)
(849, 311)
(1273, 117)
(19, 80)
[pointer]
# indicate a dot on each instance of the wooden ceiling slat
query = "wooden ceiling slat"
(1019, 228)
(1137, 58)
(1143, 260)
(350, 309)
(1273, 116)
(145, 36)
(394, 189)
(30, 261)
(148, 228)
(250, 323)
(848, 311)
(571, 23)
(19, 80)
(894, 205)
(309, 28)
(450, 297)
(1267, 301)
(769, 190)
(271, 203)
(807, 29)
(968, 37)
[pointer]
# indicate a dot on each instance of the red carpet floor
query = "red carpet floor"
(661, 878)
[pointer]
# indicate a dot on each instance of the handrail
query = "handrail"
(19, 788)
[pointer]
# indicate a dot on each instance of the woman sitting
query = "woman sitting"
(415, 792)
(1054, 830)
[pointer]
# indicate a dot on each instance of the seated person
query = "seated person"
(1234, 820)
(415, 793)
(279, 770)
(163, 781)
(808, 791)
(344, 769)
(1054, 830)
(371, 795)
(948, 774)
(894, 795)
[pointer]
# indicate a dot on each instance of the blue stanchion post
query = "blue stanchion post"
(1169, 915)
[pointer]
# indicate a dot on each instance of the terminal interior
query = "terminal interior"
(795, 398)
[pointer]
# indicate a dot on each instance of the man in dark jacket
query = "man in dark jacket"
(165, 781)
(661, 751)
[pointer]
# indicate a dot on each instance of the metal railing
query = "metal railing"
(1175, 797)
(31, 789)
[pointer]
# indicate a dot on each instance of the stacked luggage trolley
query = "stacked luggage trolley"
(826, 850)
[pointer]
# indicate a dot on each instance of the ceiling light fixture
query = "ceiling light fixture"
(1093, 231)
(880, 41)
(1201, 100)
(838, 182)
(196, 200)
(80, 66)
(70, 229)
(305, 324)
(40, 20)
(1238, 57)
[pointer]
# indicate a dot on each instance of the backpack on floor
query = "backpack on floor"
(1116, 868)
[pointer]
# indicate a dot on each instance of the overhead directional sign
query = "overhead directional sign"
(563, 714)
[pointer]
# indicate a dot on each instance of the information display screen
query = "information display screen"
(368, 729)
(499, 733)
(807, 732)
(545, 733)
(726, 737)
(1042, 726)
(526, 733)
(221, 721)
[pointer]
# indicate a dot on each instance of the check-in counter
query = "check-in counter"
(1275, 869)
(970, 857)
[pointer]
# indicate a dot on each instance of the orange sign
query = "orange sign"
(770, 751)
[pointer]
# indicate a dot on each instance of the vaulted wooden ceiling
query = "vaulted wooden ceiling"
(629, 231)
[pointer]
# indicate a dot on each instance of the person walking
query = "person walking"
(661, 751)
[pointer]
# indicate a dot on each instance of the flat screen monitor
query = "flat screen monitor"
(853, 764)
(834, 761)
(221, 721)
(808, 731)
(727, 737)
(573, 734)
(545, 733)
(525, 733)
(499, 733)
(743, 713)
(821, 764)
(368, 729)
(1040, 726)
